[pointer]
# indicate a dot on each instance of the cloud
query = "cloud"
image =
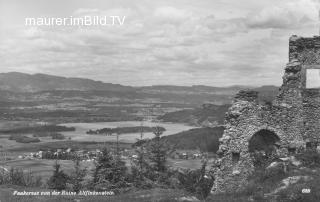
(296, 14)
(167, 43)
(170, 15)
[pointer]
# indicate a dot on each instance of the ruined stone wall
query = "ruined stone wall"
(305, 50)
(306, 53)
(311, 115)
(244, 119)
(294, 117)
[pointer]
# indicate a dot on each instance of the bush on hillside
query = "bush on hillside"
(296, 192)
(309, 158)
(59, 179)
(16, 176)
(77, 176)
(197, 182)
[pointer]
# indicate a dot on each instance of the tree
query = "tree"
(59, 179)
(110, 172)
(77, 176)
(158, 151)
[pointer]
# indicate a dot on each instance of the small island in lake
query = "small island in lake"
(123, 130)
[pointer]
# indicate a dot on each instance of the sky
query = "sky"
(167, 42)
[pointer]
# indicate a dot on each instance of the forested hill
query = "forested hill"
(205, 139)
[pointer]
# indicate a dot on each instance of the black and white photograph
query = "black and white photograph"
(159, 101)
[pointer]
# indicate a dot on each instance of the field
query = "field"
(185, 164)
(44, 167)
(41, 167)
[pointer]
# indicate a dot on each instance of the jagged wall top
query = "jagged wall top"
(304, 49)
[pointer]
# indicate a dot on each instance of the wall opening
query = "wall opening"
(292, 150)
(235, 157)
(312, 78)
(264, 140)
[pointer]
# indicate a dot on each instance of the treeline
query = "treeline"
(25, 139)
(53, 135)
(123, 130)
(36, 129)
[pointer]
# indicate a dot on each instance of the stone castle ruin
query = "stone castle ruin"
(289, 124)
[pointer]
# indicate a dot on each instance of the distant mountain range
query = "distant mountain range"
(21, 82)
(46, 97)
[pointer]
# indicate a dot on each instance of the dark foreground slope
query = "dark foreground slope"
(300, 182)
(205, 139)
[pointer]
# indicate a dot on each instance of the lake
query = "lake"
(81, 128)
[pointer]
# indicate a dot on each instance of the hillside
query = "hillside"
(195, 89)
(22, 82)
(205, 139)
(211, 114)
(206, 115)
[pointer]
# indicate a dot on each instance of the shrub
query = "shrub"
(294, 192)
(140, 180)
(197, 182)
(262, 160)
(309, 158)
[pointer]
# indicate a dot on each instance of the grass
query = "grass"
(185, 164)
(43, 167)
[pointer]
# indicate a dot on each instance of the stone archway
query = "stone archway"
(264, 140)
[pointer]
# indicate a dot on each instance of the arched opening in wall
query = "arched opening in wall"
(263, 147)
(264, 140)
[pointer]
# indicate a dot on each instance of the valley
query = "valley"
(47, 119)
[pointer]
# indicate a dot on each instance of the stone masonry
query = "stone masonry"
(293, 117)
